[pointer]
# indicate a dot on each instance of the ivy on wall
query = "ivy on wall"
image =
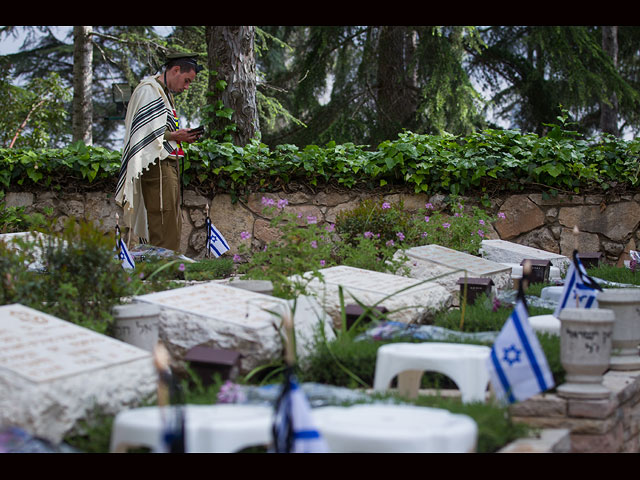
(484, 163)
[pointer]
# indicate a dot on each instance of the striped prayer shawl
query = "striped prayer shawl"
(149, 115)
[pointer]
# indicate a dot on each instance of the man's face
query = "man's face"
(178, 82)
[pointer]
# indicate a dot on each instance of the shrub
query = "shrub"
(81, 281)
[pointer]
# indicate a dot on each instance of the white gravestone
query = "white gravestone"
(429, 261)
(53, 372)
(407, 299)
(225, 317)
(501, 251)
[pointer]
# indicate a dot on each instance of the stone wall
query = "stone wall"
(596, 426)
(607, 224)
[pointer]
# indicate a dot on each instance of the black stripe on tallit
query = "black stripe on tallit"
(134, 150)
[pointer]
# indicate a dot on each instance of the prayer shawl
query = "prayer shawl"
(149, 115)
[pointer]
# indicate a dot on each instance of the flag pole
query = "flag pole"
(208, 225)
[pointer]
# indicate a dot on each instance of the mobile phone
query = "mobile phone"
(199, 130)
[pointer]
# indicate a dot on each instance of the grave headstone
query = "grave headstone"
(539, 270)
(53, 372)
(446, 266)
(474, 287)
(221, 316)
(501, 251)
(406, 299)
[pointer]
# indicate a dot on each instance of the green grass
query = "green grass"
(615, 274)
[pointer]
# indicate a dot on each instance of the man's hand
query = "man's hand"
(184, 135)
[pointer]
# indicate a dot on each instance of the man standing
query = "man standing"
(148, 187)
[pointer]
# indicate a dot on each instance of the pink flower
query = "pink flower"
(424, 234)
(181, 267)
(268, 202)
(501, 215)
(457, 214)
(237, 258)
(390, 243)
(428, 206)
(311, 219)
(386, 205)
(446, 225)
(245, 235)
(400, 236)
(283, 202)
(481, 222)
(314, 244)
(481, 233)
(426, 219)
(368, 234)
(330, 228)
(322, 263)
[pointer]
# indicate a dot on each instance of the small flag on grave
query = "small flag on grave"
(293, 426)
(518, 368)
(216, 244)
(122, 252)
(580, 290)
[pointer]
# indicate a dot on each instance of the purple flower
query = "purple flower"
(368, 234)
(481, 233)
(400, 236)
(231, 393)
(283, 202)
(424, 234)
(386, 205)
(446, 225)
(501, 215)
(314, 244)
(245, 235)
(311, 219)
(390, 243)
(268, 202)
(481, 222)
(496, 304)
(427, 218)
(181, 267)
(457, 214)
(428, 206)
(330, 228)
(237, 258)
(322, 263)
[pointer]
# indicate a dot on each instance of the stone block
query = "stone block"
(407, 299)
(521, 216)
(550, 440)
(547, 405)
(430, 261)
(54, 373)
(610, 442)
(18, 199)
(617, 221)
(598, 409)
(221, 316)
(502, 251)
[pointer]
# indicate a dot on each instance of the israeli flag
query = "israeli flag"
(576, 288)
(293, 427)
(518, 368)
(216, 244)
(124, 256)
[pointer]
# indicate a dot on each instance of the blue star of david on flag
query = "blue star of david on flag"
(518, 368)
(216, 244)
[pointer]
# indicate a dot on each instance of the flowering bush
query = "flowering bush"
(460, 230)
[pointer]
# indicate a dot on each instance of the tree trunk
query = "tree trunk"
(609, 113)
(396, 94)
(231, 54)
(82, 116)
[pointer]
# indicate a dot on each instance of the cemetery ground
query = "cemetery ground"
(74, 276)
